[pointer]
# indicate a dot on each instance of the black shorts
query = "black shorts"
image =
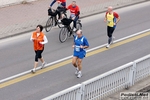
(38, 54)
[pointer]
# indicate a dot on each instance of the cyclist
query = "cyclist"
(39, 40)
(61, 7)
(74, 13)
(80, 44)
(112, 18)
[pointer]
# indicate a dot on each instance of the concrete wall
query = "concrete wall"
(4, 3)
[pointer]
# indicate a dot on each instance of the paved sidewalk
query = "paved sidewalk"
(18, 19)
(141, 86)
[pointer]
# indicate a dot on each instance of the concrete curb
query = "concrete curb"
(83, 16)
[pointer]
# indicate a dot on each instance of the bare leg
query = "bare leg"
(35, 64)
(74, 61)
(79, 64)
(42, 60)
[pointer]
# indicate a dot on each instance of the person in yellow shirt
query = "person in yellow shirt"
(111, 18)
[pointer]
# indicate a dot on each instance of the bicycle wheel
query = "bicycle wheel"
(63, 35)
(79, 26)
(49, 24)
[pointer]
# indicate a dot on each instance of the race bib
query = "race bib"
(77, 48)
(110, 23)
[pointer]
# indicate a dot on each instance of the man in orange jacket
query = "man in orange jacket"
(39, 40)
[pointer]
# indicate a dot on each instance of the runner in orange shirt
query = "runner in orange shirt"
(39, 40)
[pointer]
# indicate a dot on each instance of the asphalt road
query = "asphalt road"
(17, 55)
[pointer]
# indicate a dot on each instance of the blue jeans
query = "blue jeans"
(75, 21)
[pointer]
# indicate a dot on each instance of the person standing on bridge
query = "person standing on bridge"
(39, 40)
(112, 18)
(79, 45)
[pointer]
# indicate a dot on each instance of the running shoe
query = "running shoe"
(33, 70)
(107, 45)
(59, 21)
(43, 65)
(74, 29)
(76, 72)
(79, 75)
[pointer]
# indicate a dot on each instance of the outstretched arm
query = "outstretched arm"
(52, 3)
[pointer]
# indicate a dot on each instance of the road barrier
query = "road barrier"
(108, 83)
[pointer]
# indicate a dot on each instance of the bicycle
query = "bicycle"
(67, 30)
(52, 20)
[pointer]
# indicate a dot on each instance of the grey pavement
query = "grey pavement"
(21, 18)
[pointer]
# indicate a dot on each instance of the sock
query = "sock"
(77, 68)
(43, 63)
(109, 40)
(79, 72)
(33, 68)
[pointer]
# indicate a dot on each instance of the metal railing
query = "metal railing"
(110, 82)
(107, 83)
(73, 93)
(142, 68)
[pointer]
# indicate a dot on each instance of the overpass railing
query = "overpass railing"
(108, 83)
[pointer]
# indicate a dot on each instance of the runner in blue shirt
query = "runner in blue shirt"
(80, 44)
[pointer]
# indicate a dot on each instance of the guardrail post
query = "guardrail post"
(132, 74)
(79, 94)
(149, 65)
(83, 90)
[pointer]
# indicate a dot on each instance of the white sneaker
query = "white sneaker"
(79, 75)
(107, 45)
(74, 29)
(43, 65)
(76, 72)
(59, 21)
(33, 70)
(62, 25)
